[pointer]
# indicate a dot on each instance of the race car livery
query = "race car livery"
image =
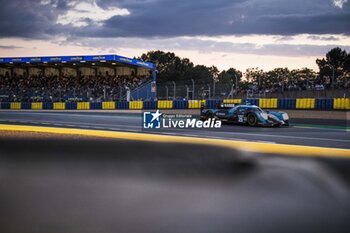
(245, 114)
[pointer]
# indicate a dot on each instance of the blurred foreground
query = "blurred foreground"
(51, 183)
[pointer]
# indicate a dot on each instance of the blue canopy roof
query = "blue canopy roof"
(90, 58)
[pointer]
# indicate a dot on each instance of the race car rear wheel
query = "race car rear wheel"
(209, 115)
(252, 120)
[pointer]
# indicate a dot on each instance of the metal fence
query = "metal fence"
(193, 90)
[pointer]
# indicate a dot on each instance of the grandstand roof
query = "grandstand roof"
(77, 59)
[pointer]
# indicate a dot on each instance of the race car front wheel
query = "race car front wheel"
(252, 120)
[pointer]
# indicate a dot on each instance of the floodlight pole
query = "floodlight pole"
(282, 81)
(236, 81)
(192, 89)
(187, 92)
(127, 94)
(213, 88)
(209, 90)
(154, 74)
(60, 91)
(174, 90)
(120, 93)
(232, 91)
(333, 73)
(167, 92)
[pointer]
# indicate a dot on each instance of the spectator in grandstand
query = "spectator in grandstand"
(54, 88)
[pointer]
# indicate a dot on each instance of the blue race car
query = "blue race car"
(245, 114)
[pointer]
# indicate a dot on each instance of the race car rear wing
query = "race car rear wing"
(220, 106)
(226, 105)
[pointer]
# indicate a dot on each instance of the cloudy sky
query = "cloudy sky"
(224, 33)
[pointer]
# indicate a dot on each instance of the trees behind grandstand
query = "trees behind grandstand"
(173, 68)
(169, 66)
(334, 71)
(336, 65)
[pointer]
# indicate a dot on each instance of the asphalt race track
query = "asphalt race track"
(294, 135)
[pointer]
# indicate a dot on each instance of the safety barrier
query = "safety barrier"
(26, 105)
(324, 104)
(251, 101)
(83, 105)
(59, 106)
(71, 105)
(342, 103)
(108, 105)
(268, 103)
(5, 105)
(37, 106)
(122, 105)
(16, 105)
(150, 104)
(305, 103)
(96, 105)
(180, 104)
(165, 104)
(232, 101)
(136, 105)
(302, 103)
(286, 104)
(196, 103)
(213, 103)
(48, 105)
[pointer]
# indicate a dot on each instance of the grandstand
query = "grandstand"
(76, 78)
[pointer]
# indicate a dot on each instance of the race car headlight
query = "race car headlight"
(264, 115)
(285, 116)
